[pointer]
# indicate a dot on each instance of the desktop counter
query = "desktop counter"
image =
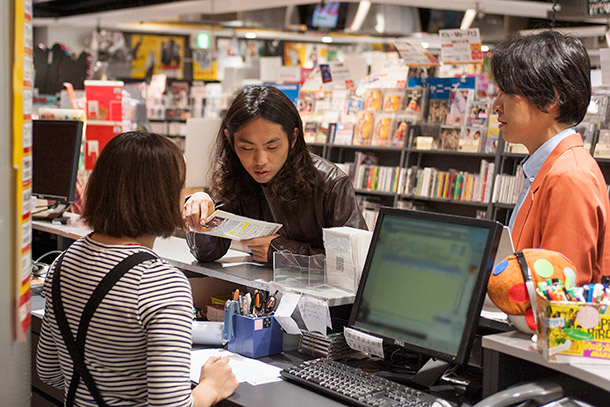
(507, 358)
(264, 395)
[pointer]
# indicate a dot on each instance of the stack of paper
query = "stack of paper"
(346, 250)
(332, 346)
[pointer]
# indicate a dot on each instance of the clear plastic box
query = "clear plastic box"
(299, 271)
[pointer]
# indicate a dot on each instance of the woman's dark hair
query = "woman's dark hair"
(135, 187)
(296, 177)
(543, 68)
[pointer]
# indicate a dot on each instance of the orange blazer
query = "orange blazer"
(567, 209)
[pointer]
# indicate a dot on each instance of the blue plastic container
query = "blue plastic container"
(256, 337)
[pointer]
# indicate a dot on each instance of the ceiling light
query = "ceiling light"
(327, 39)
(380, 23)
(425, 44)
(485, 48)
(250, 36)
(363, 10)
(469, 16)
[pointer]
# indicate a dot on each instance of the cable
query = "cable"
(46, 254)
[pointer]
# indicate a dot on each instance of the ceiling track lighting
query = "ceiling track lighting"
(468, 19)
(361, 13)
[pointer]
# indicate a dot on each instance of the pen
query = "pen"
(271, 303)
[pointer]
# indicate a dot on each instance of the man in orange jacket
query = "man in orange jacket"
(544, 89)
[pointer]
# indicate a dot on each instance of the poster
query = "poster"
(295, 54)
(157, 54)
(205, 67)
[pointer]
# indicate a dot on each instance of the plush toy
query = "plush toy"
(507, 289)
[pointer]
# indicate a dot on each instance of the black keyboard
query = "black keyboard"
(357, 387)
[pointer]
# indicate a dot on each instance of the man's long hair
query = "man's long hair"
(231, 180)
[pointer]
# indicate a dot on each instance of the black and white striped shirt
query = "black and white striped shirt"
(139, 340)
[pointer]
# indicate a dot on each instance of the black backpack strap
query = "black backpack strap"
(76, 347)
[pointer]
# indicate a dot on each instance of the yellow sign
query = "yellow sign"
(22, 165)
(157, 54)
(205, 67)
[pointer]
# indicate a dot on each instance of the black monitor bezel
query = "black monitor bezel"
(78, 134)
(479, 289)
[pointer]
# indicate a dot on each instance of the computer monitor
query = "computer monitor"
(424, 281)
(56, 146)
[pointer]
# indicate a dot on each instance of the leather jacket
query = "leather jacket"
(332, 204)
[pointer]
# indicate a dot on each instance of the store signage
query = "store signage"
(21, 194)
(461, 46)
(414, 54)
(599, 7)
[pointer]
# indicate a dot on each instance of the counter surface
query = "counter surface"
(236, 267)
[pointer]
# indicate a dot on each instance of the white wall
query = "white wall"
(73, 37)
(15, 379)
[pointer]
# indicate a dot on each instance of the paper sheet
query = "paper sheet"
(363, 342)
(231, 226)
(245, 369)
(315, 313)
(284, 310)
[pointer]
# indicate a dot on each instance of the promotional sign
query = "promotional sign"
(22, 164)
(461, 46)
(205, 67)
(157, 54)
(415, 54)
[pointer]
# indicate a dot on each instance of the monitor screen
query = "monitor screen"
(324, 15)
(56, 148)
(424, 281)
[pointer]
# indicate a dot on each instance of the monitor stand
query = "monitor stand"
(55, 213)
(430, 373)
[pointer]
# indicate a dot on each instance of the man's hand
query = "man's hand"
(260, 246)
(196, 210)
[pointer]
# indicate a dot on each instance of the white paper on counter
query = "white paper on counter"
(315, 314)
(245, 369)
(284, 310)
(363, 342)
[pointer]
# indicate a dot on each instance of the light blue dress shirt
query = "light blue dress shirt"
(532, 164)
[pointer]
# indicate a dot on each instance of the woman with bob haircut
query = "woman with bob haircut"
(544, 88)
(265, 171)
(136, 348)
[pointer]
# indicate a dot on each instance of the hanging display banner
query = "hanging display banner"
(415, 54)
(22, 165)
(461, 46)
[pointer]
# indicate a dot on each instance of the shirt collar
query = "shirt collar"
(532, 164)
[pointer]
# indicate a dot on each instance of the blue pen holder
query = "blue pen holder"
(256, 337)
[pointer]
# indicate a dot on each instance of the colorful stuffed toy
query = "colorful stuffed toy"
(507, 289)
